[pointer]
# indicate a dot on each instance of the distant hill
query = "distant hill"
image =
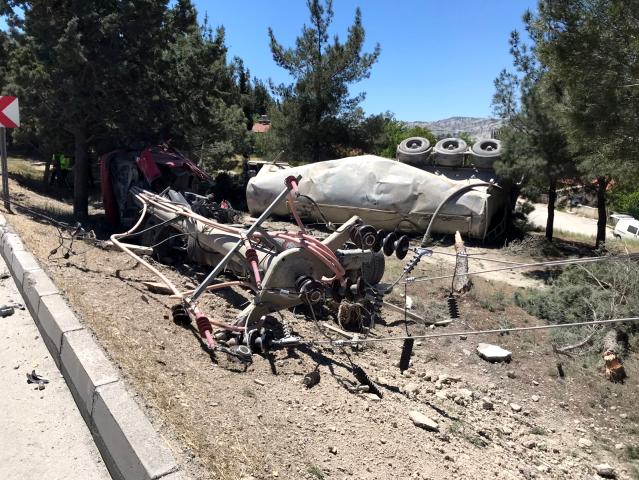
(476, 127)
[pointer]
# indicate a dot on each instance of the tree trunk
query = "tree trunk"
(602, 185)
(81, 176)
(612, 358)
(552, 199)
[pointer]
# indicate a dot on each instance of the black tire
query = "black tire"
(373, 271)
(449, 152)
(487, 148)
(413, 151)
(485, 152)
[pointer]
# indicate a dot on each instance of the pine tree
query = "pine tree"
(100, 74)
(536, 149)
(590, 51)
(314, 114)
(81, 69)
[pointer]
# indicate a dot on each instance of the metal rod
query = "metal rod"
(5, 169)
(220, 266)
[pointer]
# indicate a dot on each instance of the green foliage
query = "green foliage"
(631, 452)
(98, 75)
(535, 148)
(396, 132)
(203, 97)
(493, 302)
(608, 289)
(314, 116)
(589, 52)
(465, 136)
(380, 134)
(625, 201)
(315, 472)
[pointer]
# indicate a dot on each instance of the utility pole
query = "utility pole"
(5, 169)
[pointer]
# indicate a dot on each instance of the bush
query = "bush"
(609, 289)
(625, 202)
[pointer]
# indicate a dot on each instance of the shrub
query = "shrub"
(608, 289)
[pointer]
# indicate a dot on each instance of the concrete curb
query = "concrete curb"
(130, 447)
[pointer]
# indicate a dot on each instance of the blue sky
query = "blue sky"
(439, 58)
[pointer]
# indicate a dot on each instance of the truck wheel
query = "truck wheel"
(413, 150)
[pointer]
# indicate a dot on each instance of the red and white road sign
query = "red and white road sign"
(9, 112)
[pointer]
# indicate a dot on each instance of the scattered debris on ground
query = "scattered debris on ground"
(40, 381)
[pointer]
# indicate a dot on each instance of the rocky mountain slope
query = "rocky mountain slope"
(477, 127)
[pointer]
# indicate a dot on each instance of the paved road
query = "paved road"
(567, 222)
(42, 434)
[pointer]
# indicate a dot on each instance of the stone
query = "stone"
(465, 393)
(506, 430)
(445, 379)
(511, 374)
(486, 404)
(442, 394)
(332, 450)
(493, 353)
(410, 389)
(584, 443)
(535, 398)
(515, 407)
(605, 470)
(422, 421)
(530, 444)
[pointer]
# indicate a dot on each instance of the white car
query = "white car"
(627, 227)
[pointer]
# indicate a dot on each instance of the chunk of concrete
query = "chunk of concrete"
(493, 353)
(133, 449)
(421, 420)
(606, 471)
(85, 367)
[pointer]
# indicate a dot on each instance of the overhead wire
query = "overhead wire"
(476, 332)
(554, 263)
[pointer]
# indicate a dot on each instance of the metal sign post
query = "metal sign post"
(9, 118)
(5, 169)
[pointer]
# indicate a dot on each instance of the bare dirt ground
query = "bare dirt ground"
(261, 423)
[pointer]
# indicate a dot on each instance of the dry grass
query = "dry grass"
(27, 169)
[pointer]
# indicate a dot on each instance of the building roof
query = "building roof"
(261, 127)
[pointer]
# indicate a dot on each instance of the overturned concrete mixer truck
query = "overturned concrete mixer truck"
(427, 190)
